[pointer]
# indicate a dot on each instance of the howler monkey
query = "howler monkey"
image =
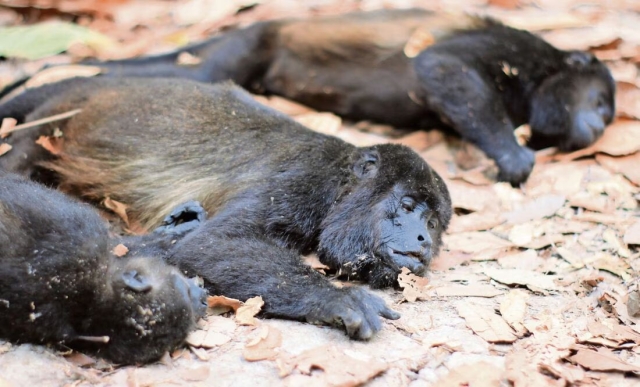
(273, 188)
(59, 283)
(478, 77)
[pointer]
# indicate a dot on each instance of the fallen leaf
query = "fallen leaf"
(633, 304)
(535, 281)
(627, 100)
(50, 143)
(80, 359)
(339, 368)
(602, 360)
(573, 258)
(610, 263)
(522, 370)
(414, 287)
(485, 323)
(538, 208)
(7, 126)
(223, 302)
(626, 165)
(245, 314)
(118, 208)
(524, 260)
(195, 374)
(187, 59)
(513, 309)
(4, 148)
(120, 250)
(419, 40)
(206, 339)
(632, 235)
(474, 242)
(468, 291)
(264, 345)
(327, 123)
(313, 261)
(476, 221)
(480, 374)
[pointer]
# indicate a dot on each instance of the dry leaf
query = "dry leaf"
(525, 260)
(327, 123)
(4, 148)
(223, 302)
(7, 126)
(120, 250)
(195, 374)
(50, 143)
(340, 369)
(522, 370)
(414, 287)
(474, 242)
(513, 310)
(627, 100)
(633, 304)
(485, 323)
(481, 374)
(603, 360)
(538, 208)
(626, 165)
(476, 221)
(468, 291)
(80, 359)
(632, 235)
(118, 208)
(245, 314)
(534, 281)
(207, 339)
(419, 40)
(313, 261)
(263, 347)
(187, 59)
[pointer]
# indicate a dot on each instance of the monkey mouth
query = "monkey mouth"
(416, 262)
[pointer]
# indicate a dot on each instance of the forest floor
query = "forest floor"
(536, 285)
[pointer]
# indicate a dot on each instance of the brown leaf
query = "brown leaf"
(414, 287)
(626, 165)
(80, 359)
(535, 281)
(468, 291)
(476, 221)
(620, 138)
(118, 208)
(50, 143)
(474, 242)
(223, 302)
(313, 261)
(207, 339)
(522, 370)
(339, 368)
(195, 374)
(627, 100)
(480, 374)
(4, 148)
(283, 105)
(603, 360)
(327, 123)
(264, 345)
(7, 126)
(120, 250)
(524, 260)
(419, 40)
(538, 208)
(187, 59)
(245, 314)
(632, 235)
(513, 309)
(485, 323)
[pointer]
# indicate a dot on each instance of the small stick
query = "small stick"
(41, 121)
(94, 339)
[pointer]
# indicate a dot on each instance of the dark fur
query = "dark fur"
(274, 189)
(59, 283)
(481, 78)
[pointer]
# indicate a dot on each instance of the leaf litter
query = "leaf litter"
(535, 286)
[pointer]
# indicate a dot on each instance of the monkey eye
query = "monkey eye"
(408, 204)
(433, 223)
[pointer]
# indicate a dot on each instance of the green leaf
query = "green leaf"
(46, 39)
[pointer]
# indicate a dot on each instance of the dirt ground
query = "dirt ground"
(537, 285)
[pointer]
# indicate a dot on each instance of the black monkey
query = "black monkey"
(479, 77)
(273, 188)
(59, 283)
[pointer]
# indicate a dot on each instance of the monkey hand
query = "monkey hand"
(183, 219)
(356, 309)
(516, 165)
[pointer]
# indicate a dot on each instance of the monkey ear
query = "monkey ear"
(135, 281)
(579, 59)
(366, 167)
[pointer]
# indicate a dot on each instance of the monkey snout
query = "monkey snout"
(198, 297)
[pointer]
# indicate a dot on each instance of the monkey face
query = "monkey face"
(572, 108)
(393, 217)
(150, 310)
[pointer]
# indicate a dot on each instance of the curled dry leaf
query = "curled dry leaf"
(485, 323)
(120, 250)
(419, 40)
(513, 309)
(4, 148)
(50, 143)
(414, 287)
(245, 314)
(7, 126)
(118, 208)
(264, 345)
(537, 282)
(602, 360)
(340, 369)
(223, 302)
(626, 165)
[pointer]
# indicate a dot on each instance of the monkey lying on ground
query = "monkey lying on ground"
(59, 283)
(478, 77)
(273, 188)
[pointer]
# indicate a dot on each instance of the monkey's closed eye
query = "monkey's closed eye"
(408, 204)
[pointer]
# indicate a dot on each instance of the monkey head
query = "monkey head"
(571, 108)
(147, 309)
(391, 216)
